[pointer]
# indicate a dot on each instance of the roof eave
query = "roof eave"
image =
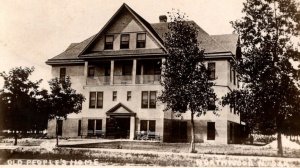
(63, 61)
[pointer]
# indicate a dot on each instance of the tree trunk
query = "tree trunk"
(192, 148)
(279, 144)
(16, 138)
(56, 132)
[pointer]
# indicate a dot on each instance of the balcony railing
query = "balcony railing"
(98, 80)
(122, 79)
(148, 79)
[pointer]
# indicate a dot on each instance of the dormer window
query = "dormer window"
(141, 40)
(109, 42)
(124, 41)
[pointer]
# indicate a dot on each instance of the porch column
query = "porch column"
(142, 74)
(134, 71)
(112, 63)
(162, 68)
(85, 71)
(132, 126)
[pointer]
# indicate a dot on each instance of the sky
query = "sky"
(33, 31)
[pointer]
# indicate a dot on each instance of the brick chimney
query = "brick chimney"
(163, 18)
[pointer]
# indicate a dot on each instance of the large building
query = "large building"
(118, 70)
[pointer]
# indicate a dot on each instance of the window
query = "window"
(98, 124)
(234, 77)
(128, 95)
(62, 73)
(91, 127)
(79, 128)
(144, 125)
(141, 40)
(144, 99)
(59, 127)
(124, 41)
(212, 104)
(91, 71)
(152, 99)
(147, 125)
(94, 126)
(92, 99)
(230, 73)
(114, 98)
(152, 125)
(99, 99)
(148, 99)
(109, 42)
(96, 98)
(211, 131)
(211, 70)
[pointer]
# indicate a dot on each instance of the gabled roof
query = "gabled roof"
(216, 45)
(228, 41)
(113, 111)
(71, 53)
(207, 43)
(141, 20)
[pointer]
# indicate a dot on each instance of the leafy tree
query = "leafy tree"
(3, 109)
(270, 96)
(63, 100)
(18, 100)
(185, 79)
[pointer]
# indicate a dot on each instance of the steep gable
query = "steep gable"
(125, 21)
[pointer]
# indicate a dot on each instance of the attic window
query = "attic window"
(141, 40)
(109, 40)
(124, 41)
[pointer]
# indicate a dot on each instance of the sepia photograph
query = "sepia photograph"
(191, 83)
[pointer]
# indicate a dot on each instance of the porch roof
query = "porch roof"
(120, 110)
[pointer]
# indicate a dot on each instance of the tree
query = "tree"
(270, 94)
(63, 100)
(18, 99)
(185, 78)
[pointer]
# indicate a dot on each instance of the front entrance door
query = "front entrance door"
(118, 127)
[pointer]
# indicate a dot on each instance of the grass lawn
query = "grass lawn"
(231, 149)
(68, 156)
(143, 153)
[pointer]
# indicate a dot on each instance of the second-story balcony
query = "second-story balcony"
(122, 79)
(123, 72)
(98, 80)
(148, 79)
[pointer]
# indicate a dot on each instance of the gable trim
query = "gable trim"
(134, 14)
(111, 112)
